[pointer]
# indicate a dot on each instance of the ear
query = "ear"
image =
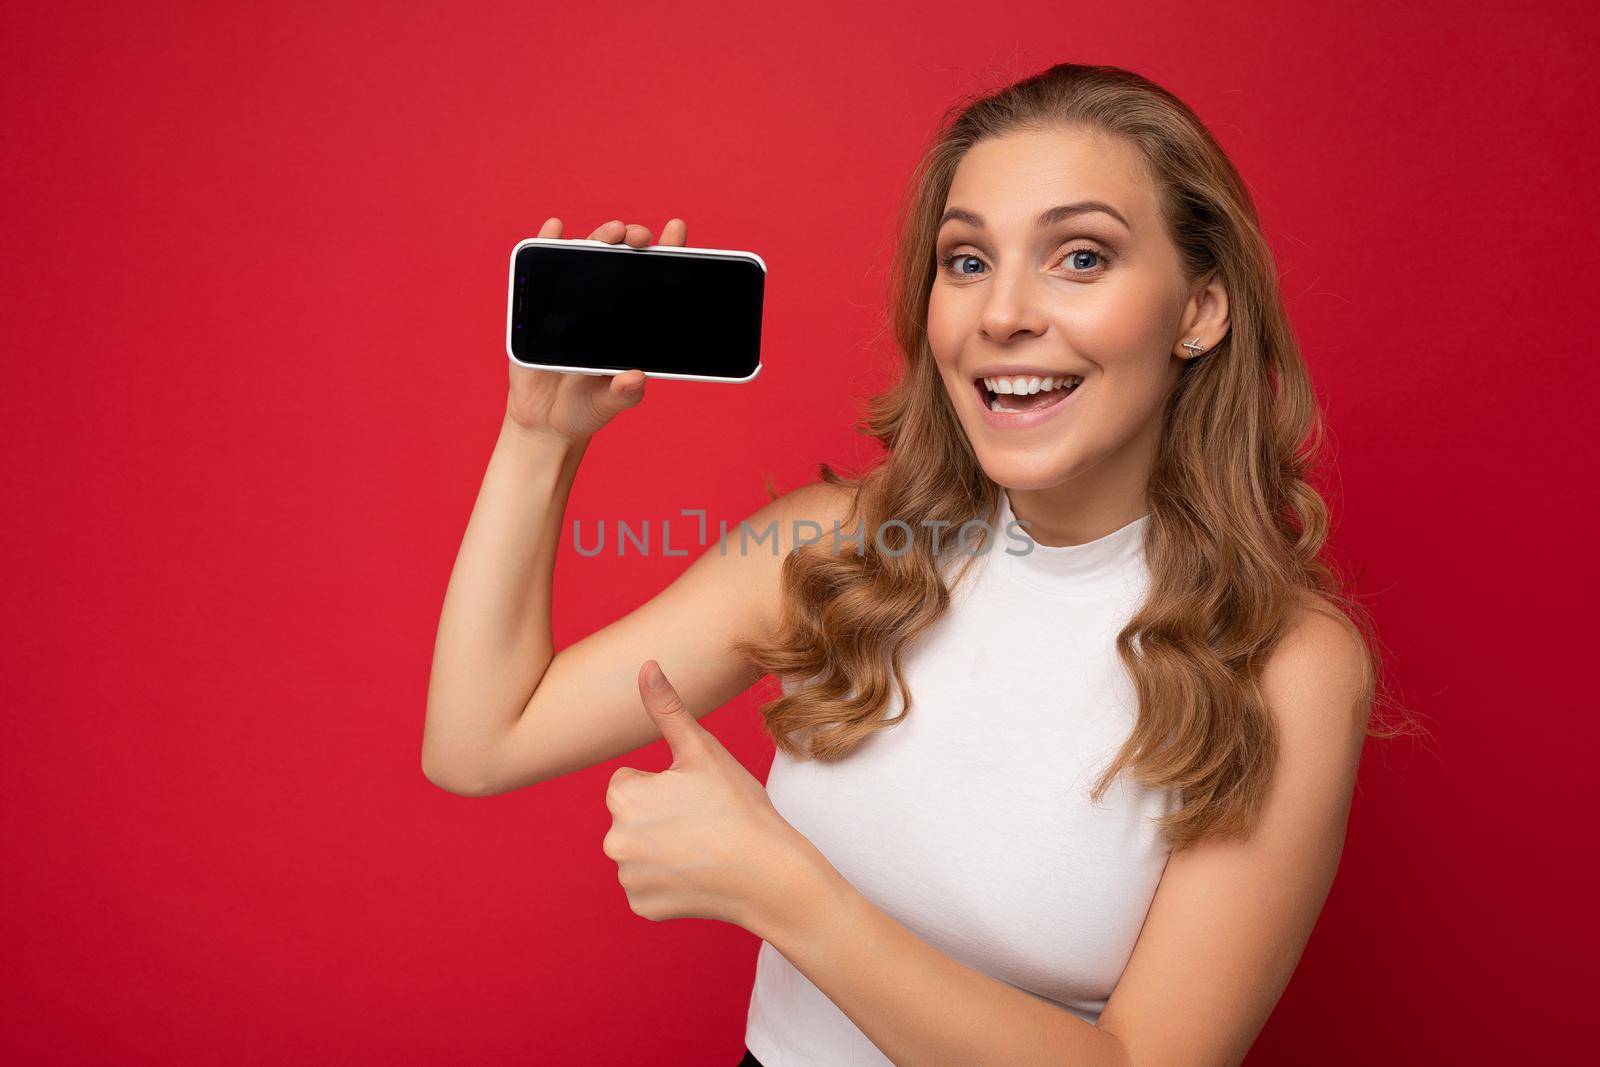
(1205, 318)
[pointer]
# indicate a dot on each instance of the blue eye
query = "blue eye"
(1072, 259)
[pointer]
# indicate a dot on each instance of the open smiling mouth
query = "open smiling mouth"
(1025, 394)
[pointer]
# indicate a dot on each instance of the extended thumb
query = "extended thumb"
(665, 706)
(653, 676)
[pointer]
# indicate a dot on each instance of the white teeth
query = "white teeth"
(1022, 385)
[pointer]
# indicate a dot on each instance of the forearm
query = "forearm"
(494, 640)
(917, 1005)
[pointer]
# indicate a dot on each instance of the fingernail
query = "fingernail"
(654, 678)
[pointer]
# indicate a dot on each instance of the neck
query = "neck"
(1091, 505)
(1055, 525)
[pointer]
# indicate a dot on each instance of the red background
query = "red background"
(253, 308)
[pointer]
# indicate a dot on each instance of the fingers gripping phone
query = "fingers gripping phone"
(592, 307)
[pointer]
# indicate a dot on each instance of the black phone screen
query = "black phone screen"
(621, 308)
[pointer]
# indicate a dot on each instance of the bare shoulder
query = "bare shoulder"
(808, 514)
(818, 502)
(1317, 684)
(794, 517)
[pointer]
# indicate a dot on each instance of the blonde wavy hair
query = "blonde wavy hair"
(1236, 535)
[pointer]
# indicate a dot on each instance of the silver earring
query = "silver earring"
(1194, 347)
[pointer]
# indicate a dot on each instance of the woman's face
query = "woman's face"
(1088, 295)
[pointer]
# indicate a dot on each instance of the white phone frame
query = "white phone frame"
(511, 301)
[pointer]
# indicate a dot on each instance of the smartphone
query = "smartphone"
(592, 307)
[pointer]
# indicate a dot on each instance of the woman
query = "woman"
(1072, 709)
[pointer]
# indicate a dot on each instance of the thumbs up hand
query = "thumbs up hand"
(700, 839)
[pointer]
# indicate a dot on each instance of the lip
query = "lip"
(1017, 420)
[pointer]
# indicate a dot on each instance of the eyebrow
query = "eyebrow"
(1047, 217)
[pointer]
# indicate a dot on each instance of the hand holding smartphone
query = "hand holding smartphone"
(608, 303)
(600, 307)
(588, 320)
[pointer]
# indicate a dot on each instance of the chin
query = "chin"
(1026, 471)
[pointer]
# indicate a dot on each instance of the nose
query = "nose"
(1010, 309)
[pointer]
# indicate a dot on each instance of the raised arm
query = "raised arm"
(586, 708)
(504, 710)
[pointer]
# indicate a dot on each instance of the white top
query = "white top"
(970, 821)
